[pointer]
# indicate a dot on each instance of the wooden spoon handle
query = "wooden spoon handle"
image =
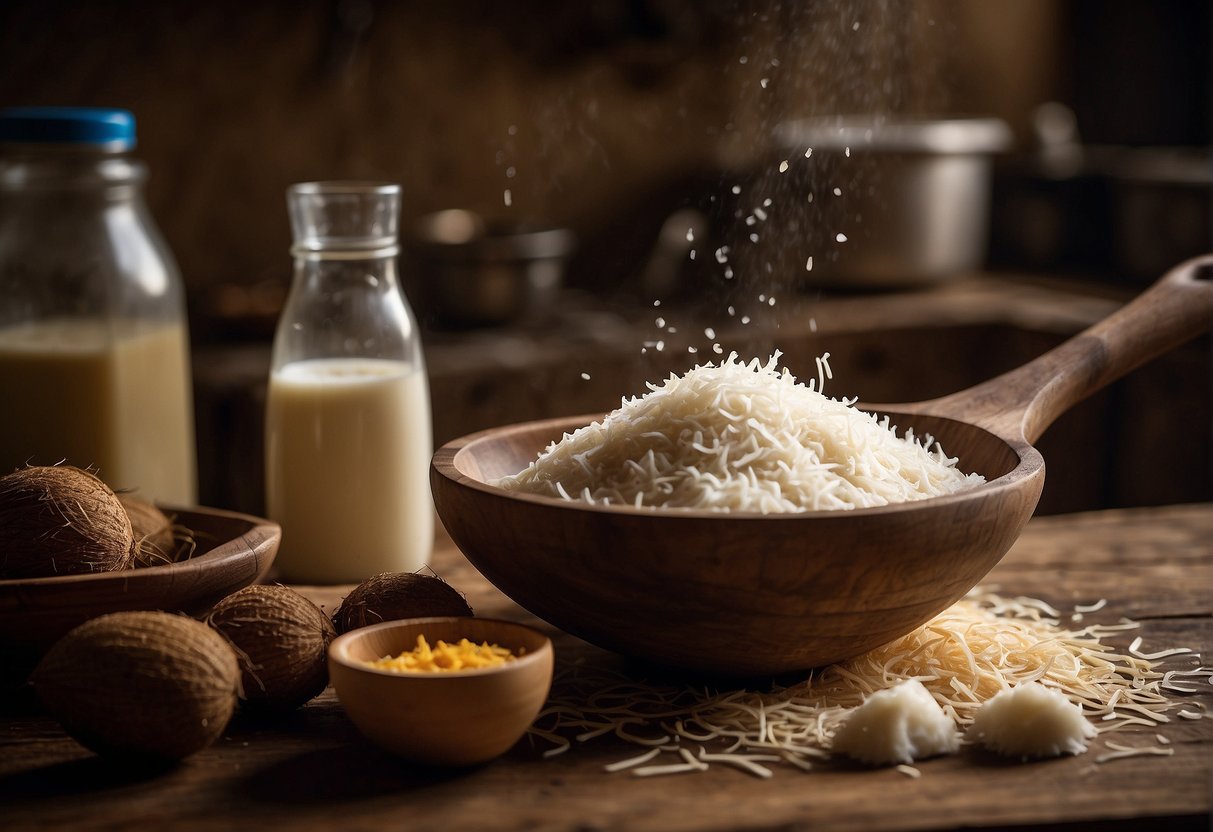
(1022, 403)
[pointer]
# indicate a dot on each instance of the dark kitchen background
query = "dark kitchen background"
(631, 126)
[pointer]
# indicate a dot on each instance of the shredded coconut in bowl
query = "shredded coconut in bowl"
(738, 436)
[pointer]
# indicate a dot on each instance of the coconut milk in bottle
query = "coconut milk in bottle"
(111, 396)
(348, 455)
(94, 351)
(348, 435)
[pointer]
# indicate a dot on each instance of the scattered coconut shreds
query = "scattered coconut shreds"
(981, 645)
(1168, 678)
(559, 749)
(632, 762)
(1134, 648)
(1120, 752)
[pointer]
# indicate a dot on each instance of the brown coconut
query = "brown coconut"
(60, 520)
(391, 596)
(147, 685)
(281, 640)
(155, 541)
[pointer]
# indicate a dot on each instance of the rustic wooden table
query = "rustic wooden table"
(311, 770)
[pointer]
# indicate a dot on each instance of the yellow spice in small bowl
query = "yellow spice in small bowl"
(460, 655)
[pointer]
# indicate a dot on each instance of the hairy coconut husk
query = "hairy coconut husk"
(281, 640)
(392, 596)
(60, 520)
(155, 535)
(147, 685)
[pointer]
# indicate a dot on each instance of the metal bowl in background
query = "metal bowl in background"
(466, 272)
(886, 201)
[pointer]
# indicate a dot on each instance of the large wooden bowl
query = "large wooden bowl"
(751, 594)
(233, 551)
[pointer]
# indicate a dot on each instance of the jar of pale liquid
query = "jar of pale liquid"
(348, 438)
(94, 352)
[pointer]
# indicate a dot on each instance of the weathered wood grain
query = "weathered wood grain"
(311, 770)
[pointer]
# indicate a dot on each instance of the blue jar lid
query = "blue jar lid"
(111, 128)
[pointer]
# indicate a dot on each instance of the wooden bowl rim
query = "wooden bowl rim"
(339, 649)
(444, 464)
(221, 552)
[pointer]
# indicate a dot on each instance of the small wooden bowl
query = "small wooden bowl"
(233, 551)
(452, 718)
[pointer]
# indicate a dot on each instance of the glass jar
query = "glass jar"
(348, 438)
(94, 348)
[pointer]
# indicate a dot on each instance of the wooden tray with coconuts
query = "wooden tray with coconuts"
(108, 601)
(70, 550)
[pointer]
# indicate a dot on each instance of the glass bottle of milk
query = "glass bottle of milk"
(348, 438)
(94, 352)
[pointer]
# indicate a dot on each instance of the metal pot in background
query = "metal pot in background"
(883, 201)
(464, 272)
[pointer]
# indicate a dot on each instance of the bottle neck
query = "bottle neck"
(343, 306)
(306, 255)
(33, 169)
(333, 275)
